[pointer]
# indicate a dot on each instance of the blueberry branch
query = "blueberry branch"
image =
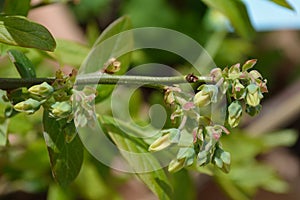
(89, 79)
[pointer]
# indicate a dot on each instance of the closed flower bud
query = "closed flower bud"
(235, 111)
(176, 165)
(61, 109)
(41, 90)
(207, 94)
(254, 95)
(202, 99)
(112, 66)
(234, 72)
(161, 143)
(170, 97)
(252, 111)
(29, 106)
(222, 160)
(238, 90)
(255, 74)
(216, 74)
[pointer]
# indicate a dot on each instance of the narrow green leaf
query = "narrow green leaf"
(19, 31)
(156, 181)
(236, 12)
(3, 131)
(118, 26)
(283, 3)
(22, 63)
(16, 7)
(65, 158)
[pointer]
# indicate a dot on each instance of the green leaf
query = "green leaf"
(57, 193)
(236, 12)
(184, 187)
(70, 53)
(22, 63)
(156, 181)
(91, 185)
(16, 7)
(65, 158)
(283, 3)
(279, 138)
(3, 131)
(19, 31)
(118, 26)
(229, 187)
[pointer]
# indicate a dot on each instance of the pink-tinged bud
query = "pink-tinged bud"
(249, 64)
(216, 74)
(238, 90)
(188, 106)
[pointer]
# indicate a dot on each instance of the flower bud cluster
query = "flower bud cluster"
(82, 101)
(197, 137)
(54, 98)
(31, 100)
(244, 90)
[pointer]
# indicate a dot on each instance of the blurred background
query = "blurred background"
(265, 150)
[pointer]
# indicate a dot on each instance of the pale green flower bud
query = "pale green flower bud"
(207, 94)
(202, 99)
(61, 109)
(255, 74)
(238, 90)
(41, 90)
(170, 97)
(222, 159)
(235, 111)
(254, 95)
(203, 158)
(29, 106)
(252, 111)
(234, 72)
(216, 74)
(160, 143)
(176, 165)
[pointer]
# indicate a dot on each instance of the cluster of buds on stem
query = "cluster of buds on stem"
(54, 98)
(243, 90)
(29, 101)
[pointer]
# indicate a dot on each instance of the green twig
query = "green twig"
(89, 79)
